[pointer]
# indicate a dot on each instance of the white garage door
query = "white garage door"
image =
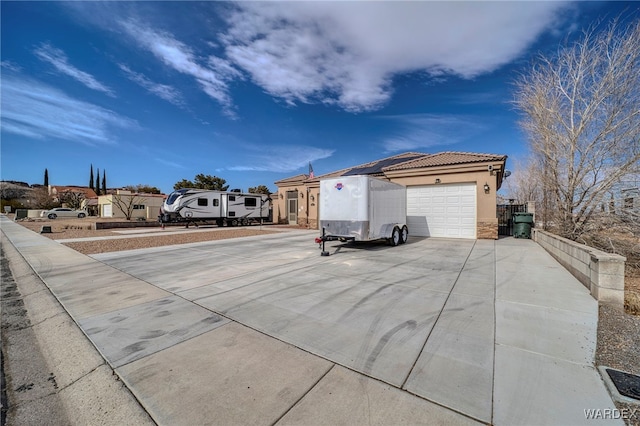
(442, 210)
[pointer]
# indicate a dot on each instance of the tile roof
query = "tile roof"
(445, 159)
(59, 189)
(404, 161)
(296, 178)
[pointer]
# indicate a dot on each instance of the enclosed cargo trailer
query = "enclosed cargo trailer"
(362, 208)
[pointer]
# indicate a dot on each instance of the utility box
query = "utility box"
(363, 208)
(21, 214)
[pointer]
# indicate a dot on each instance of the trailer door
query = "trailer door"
(216, 206)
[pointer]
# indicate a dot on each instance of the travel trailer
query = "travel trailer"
(225, 208)
(362, 208)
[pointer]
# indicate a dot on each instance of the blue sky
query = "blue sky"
(156, 92)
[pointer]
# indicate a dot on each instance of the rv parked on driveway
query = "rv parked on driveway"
(225, 208)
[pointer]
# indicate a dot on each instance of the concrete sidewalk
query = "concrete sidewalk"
(265, 331)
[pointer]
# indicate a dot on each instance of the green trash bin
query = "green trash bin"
(522, 224)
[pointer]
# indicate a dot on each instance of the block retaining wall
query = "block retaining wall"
(602, 273)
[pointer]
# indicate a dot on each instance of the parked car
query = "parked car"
(63, 212)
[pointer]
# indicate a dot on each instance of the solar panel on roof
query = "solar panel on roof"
(378, 166)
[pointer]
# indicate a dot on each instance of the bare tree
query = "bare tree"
(127, 203)
(41, 199)
(72, 199)
(582, 117)
(523, 185)
(526, 184)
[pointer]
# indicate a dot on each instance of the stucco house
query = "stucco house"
(449, 194)
(145, 206)
(57, 192)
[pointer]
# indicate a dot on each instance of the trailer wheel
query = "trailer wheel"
(395, 237)
(404, 234)
(234, 222)
(244, 222)
(220, 223)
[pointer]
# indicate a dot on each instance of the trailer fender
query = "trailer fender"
(386, 231)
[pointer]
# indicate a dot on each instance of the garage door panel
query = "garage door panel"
(468, 211)
(442, 210)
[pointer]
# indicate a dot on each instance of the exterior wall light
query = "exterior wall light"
(486, 188)
(437, 180)
(313, 198)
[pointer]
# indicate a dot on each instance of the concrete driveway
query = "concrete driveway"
(264, 330)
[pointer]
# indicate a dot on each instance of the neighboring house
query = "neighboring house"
(145, 206)
(57, 191)
(449, 194)
(89, 197)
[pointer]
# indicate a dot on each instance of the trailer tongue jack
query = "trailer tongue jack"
(325, 237)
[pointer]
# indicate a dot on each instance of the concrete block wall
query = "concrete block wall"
(33, 214)
(602, 273)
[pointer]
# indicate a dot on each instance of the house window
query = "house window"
(215, 202)
(250, 202)
(138, 206)
(203, 202)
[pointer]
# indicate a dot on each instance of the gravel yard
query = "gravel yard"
(618, 331)
(63, 229)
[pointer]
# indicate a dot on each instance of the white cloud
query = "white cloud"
(170, 163)
(59, 60)
(347, 53)
(39, 111)
(282, 159)
(419, 131)
(163, 91)
(11, 66)
(177, 55)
